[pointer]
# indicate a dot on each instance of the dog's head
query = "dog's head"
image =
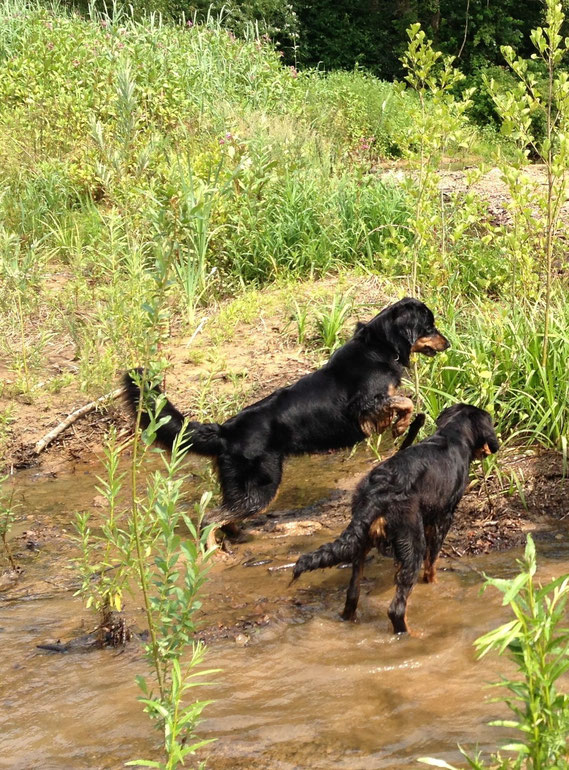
(409, 327)
(474, 425)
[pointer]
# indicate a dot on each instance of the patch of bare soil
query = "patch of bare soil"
(497, 514)
(238, 361)
(239, 355)
(492, 188)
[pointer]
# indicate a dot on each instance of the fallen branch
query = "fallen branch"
(70, 419)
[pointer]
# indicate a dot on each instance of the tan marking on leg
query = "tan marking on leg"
(483, 452)
(368, 426)
(430, 573)
(377, 530)
(381, 420)
(402, 407)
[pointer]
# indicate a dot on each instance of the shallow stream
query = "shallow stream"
(298, 688)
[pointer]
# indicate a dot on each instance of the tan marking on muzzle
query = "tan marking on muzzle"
(436, 342)
(377, 529)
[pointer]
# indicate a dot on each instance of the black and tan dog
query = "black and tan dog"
(337, 406)
(408, 503)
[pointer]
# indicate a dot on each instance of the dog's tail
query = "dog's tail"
(345, 548)
(202, 438)
(353, 539)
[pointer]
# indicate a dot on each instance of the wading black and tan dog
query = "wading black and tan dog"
(408, 503)
(335, 407)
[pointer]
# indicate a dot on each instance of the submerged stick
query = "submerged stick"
(73, 417)
(281, 567)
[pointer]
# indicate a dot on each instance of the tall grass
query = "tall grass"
(125, 143)
(120, 141)
(495, 363)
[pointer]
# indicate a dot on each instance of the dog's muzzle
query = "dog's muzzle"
(431, 344)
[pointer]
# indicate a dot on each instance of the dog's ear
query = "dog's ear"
(403, 330)
(487, 442)
(362, 332)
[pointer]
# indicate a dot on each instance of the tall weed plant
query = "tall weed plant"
(509, 357)
(495, 363)
(516, 109)
(154, 548)
(536, 641)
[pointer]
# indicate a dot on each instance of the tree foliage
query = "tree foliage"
(366, 33)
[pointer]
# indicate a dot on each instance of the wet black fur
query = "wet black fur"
(321, 411)
(413, 495)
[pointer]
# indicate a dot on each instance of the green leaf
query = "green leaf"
(516, 586)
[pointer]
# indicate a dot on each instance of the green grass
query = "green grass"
(127, 144)
(123, 142)
(495, 363)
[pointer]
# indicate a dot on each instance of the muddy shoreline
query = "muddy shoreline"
(313, 507)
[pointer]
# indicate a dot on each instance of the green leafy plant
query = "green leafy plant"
(300, 318)
(516, 108)
(106, 555)
(330, 321)
(439, 123)
(171, 580)
(536, 641)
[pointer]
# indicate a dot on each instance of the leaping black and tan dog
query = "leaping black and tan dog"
(408, 503)
(337, 406)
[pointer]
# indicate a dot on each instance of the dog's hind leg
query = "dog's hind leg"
(248, 487)
(435, 535)
(353, 595)
(409, 550)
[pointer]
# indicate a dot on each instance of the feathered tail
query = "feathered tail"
(345, 548)
(354, 538)
(202, 438)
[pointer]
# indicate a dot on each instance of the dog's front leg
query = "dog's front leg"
(401, 408)
(377, 413)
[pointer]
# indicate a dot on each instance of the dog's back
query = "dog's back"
(432, 475)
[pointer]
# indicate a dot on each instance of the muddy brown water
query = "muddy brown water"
(298, 688)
